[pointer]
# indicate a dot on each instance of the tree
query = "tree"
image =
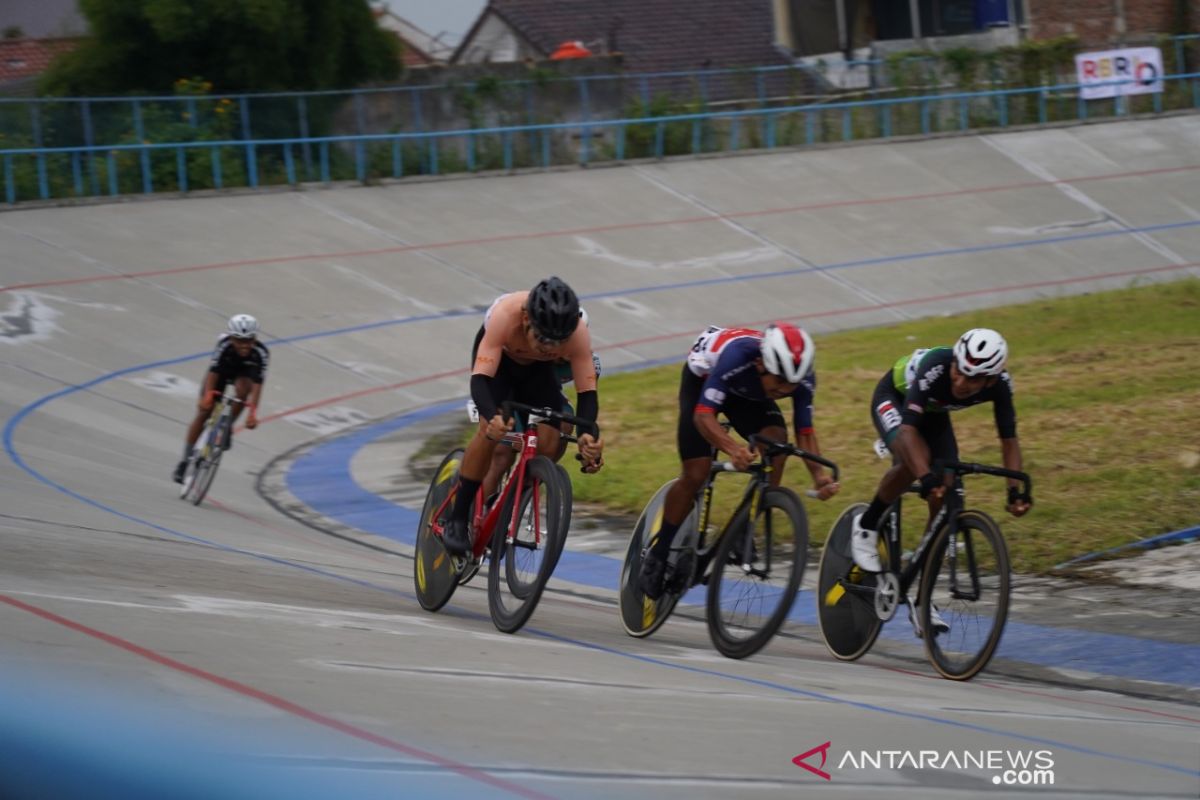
(144, 46)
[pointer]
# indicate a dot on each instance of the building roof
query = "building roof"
(655, 36)
(25, 58)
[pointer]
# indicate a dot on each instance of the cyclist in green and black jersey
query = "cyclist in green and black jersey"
(910, 410)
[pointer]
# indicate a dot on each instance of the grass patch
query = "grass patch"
(1107, 393)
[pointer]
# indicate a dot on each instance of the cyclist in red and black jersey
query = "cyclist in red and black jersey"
(524, 334)
(739, 372)
(238, 358)
(910, 410)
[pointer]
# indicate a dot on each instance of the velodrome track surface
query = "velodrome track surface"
(124, 610)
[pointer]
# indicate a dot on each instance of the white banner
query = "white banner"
(1108, 73)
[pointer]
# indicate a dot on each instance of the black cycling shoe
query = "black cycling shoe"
(653, 575)
(456, 538)
(180, 468)
(679, 575)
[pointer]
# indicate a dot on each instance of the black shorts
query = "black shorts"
(534, 384)
(224, 377)
(748, 417)
(887, 405)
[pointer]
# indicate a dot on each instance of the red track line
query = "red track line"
(596, 229)
(278, 702)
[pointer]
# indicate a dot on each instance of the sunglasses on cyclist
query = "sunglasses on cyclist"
(546, 340)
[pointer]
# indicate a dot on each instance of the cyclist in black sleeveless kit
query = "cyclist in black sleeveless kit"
(238, 358)
(910, 410)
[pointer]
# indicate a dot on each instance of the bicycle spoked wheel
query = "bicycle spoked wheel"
(520, 567)
(434, 573)
(640, 615)
(967, 577)
(756, 574)
(845, 594)
(517, 577)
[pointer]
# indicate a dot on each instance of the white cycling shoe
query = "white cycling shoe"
(936, 622)
(864, 546)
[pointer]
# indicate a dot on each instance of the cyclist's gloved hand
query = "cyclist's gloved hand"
(742, 457)
(591, 452)
(497, 427)
(1019, 502)
(825, 486)
(929, 485)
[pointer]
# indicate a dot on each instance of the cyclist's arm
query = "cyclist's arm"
(807, 440)
(806, 435)
(583, 367)
(705, 419)
(252, 401)
(487, 362)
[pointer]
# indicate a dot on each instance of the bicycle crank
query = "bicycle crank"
(887, 595)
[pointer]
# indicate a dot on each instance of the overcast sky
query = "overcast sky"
(437, 16)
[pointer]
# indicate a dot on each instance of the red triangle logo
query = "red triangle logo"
(823, 749)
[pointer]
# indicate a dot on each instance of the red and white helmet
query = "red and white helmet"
(787, 351)
(980, 351)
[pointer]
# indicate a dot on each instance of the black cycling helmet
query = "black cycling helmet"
(553, 310)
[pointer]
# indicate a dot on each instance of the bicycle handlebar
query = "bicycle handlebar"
(774, 448)
(967, 468)
(231, 398)
(550, 415)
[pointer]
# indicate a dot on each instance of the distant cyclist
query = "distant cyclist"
(740, 372)
(910, 409)
(238, 358)
(524, 334)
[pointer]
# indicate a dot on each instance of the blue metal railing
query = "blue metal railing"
(100, 121)
(56, 172)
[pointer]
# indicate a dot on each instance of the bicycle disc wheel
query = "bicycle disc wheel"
(967, 577)
(640, 615)
(756, 574)
(434, 574)
(846, 616)
(521, 566)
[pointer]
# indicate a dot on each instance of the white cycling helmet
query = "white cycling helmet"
(980, 351)
(243, 326)
(787, 351)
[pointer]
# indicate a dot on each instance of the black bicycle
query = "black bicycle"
(752, 568)
(964, 579)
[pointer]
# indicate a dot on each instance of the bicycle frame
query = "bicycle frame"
(526, 442)
(948, 514)
(760, 481)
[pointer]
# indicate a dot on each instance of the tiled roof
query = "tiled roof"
(24, 58)
(652, 35)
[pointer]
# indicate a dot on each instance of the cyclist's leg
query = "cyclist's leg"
(476, 460)
(938, 433)
(242, 385)
(695, 456)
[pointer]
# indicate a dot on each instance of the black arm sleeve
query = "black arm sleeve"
(589, 408)
(481, 393)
